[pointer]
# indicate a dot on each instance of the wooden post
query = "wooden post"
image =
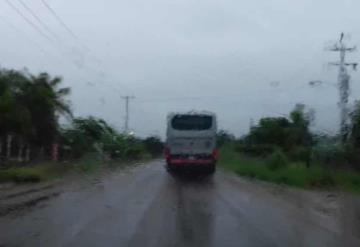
(8, 147)
(1, 147)
(42, 153)
(20, 152)
(55, 152)
(27, 153)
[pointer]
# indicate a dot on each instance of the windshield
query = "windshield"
(191, 122)
(180, 123)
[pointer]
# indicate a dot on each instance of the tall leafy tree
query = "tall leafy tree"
(30, 107)
(301, 120)
(46, 103)
(287, 133)
(15, 117)
(85, 133)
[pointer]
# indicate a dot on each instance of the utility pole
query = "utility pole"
(126, 124)
(343, 84)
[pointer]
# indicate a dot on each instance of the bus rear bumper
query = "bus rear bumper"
(208, 165)
(191, 162)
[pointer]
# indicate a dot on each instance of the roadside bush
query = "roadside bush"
(293, 174)
(154, 145)
(134, 152)
(114, 145)
(94, 136)
(300, 154)
(223, 137)
(282, 179)
(255, 150)
(75, 143)
(89, 163)
(277, 160)
(19, 176)
(333, 155)
(322, 179)
(27, 177)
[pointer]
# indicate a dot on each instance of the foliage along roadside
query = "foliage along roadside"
(30, 133)
(289, 173)
(88, 145)
(94, 135)
(284, 150)
(30, 106)
(30, 174)
(88, 164)
(292, 135)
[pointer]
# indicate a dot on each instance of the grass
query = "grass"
(294, 174)
(35, 173)
(90, 163)
(44, 171)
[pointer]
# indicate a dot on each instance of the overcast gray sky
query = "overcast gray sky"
(240, 59)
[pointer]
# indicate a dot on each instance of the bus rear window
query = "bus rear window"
(191, 122)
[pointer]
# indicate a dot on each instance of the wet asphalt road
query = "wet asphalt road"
(146, 206)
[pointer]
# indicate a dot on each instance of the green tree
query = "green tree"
(355, 125)
(91, 134)
(15, 117)
(154, 145)
(29, 108)
(223, 136)
(270, 131)
(84, 133)
(301, 120)
(46, 103)
(291, 134)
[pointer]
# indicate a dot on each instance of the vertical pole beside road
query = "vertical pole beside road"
(344, 85)
(127, 98)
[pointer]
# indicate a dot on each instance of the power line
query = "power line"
(45, 52)
(36, 28)
(68, 29)
(45, 26)
(28, 20)
(23, 33)
(31, 23)
(39, 20)
(57, 17)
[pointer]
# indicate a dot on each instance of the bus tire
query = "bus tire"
(169, 167)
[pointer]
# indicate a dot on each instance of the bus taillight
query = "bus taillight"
(167, 152)
(215, 154)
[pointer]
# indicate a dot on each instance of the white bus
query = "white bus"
(191, 141)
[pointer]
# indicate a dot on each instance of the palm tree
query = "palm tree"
(29, 109)
(15, 116)
(47, 102)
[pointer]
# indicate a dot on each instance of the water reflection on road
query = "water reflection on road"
(147, 206)
(194, 209)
